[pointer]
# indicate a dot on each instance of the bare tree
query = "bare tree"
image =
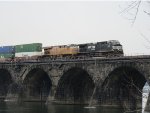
(132, 9)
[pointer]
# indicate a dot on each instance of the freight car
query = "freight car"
(22, 52)
(111, 48)
(7, 53)
(28, 51)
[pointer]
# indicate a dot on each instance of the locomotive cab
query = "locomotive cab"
(116, 47)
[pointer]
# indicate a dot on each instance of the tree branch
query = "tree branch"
(137, 10)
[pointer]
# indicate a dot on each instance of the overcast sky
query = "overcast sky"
(63, 22)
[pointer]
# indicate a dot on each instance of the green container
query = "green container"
(7, 55)
(34, 47)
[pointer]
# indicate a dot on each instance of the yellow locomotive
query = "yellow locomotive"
(61, 50)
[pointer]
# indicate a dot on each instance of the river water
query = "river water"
(31, 107)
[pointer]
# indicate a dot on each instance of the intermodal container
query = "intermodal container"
(6, 56)
(28, 54)
(7, 49)
(34, 47)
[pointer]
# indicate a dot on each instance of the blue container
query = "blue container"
(7, 49)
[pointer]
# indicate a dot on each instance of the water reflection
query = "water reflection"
(11, 107)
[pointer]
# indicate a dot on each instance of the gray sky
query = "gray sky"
(62, 22)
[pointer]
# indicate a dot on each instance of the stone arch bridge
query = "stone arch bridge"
(106, 81)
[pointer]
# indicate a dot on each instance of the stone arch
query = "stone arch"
(123, 87)
(29, 68)
(5, 82)
(37, 85)
(75, 87)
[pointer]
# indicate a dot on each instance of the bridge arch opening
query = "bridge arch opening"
(5, 83)
(75, 87)
(123, 87)
(37, 85)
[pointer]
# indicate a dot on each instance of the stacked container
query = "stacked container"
(28, 50)
(7, 52)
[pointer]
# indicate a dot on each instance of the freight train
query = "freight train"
(33, 51)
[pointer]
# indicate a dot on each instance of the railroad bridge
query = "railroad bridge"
(103, 81)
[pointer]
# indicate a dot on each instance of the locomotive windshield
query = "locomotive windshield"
(114, 42)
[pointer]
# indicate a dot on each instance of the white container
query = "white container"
(28, 54)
